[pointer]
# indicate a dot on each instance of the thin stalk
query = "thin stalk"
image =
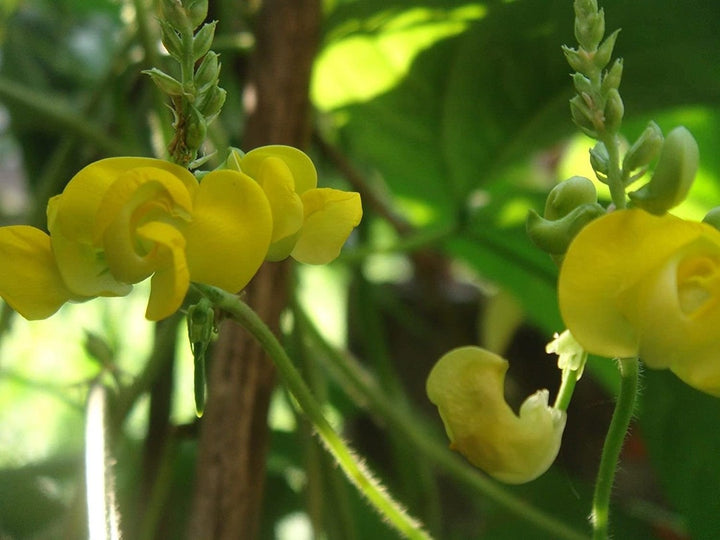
(567, 387)
(614, 177)
(624, 408)
(356, 472)
(363, 388)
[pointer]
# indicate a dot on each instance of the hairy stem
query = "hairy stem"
(345, 458)
(624, 408)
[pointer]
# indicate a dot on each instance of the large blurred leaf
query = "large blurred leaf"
(681, 428)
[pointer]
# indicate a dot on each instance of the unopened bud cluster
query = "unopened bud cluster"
(195, 96)
(597, 108)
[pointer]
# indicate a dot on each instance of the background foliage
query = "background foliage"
(452, 119)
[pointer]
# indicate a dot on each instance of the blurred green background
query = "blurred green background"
(452, 119)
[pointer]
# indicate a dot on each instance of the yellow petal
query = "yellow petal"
(29, 278)
(277, 182)
(601, 271)
(300, 165)
(679, 314)
(171, 279)
(467, 386)
(330, 216)
(82, 196)
(230, 230)
(82, 264)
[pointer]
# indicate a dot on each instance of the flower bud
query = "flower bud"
(554, 237)
(467, 386)
(568, 195)
(207, 73)
(203, 40)
(171, 40)
(599, 159)
(196, 129)
(582, 83)
(614, 110)
(644, 149)
(166, 83)
(673, 175)
(583, 116)
(612, 77)
(602, 56)
(589, 27)
(578, 60)
(712, 218)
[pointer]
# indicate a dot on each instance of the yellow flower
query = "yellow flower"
(310, 224)
(121, 220)
(467, 385)
(636, 284)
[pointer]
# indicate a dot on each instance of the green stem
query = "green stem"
(355, 471)
(360, 385)
(567, 387)
(624, 408)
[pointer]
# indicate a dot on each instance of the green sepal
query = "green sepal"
(580, 62)
(171, 40)
(167, 84)
(673, 175)
(645, 149)
(582, 115)
(203, 40)
(207, 73)
(713, 218)
(196, 128)
(599, 161)
(554, 236)
(212, 102)
(614, 111)
(612, 78)
(602, 56)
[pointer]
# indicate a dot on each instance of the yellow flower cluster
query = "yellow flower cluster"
(121, 220)
(635, 284)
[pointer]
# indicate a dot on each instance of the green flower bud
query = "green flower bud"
(174, 13)
(201, 328)
(602, 56)
(554, 237)
(583, 116)
(203, 40)
(166, 83)
(568, 195)
(599, 161)
(196, 10)
(582, 84)
(171, 40)
(589, 28)
(645, 149)
(713, 217)
(233, 160)
(211, 102)
(673, 175)
(196, 129)
(578, 60)
(207, 73)
(612, 78)
(614, 110)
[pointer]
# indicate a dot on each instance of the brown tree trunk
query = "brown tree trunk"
(234, 431)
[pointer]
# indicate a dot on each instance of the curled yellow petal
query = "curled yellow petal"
(29, 278)
(300, 165)
(171, 279)
(466, 385)
(601, 271)
(81, 198)
(230, 230)
(330, 217)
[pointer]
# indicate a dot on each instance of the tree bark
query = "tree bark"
(234, 432)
